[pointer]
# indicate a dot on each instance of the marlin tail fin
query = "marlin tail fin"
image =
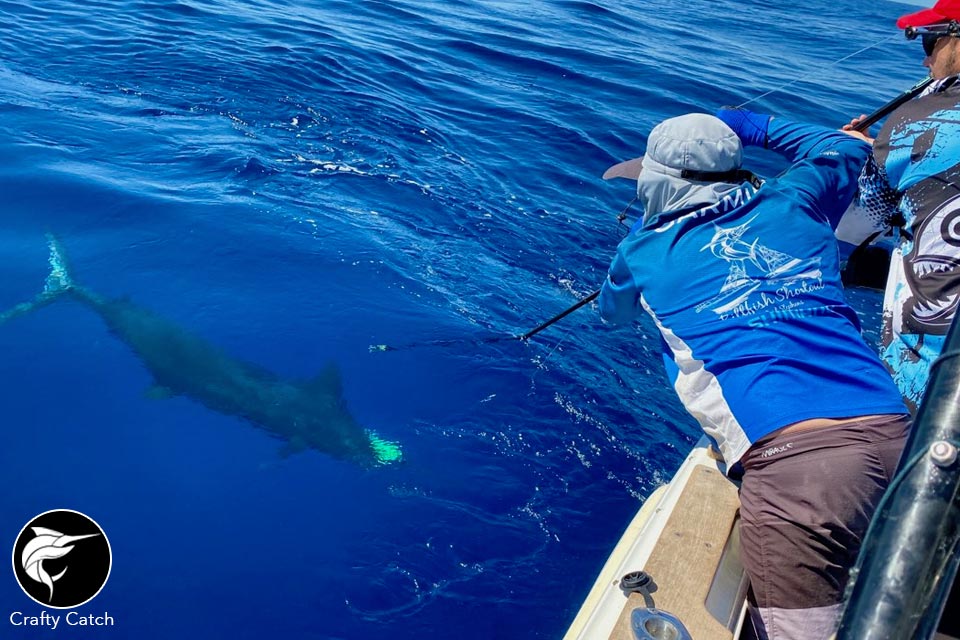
(58, 283)
(59, 280)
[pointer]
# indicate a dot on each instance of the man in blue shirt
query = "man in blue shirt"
(742, 280)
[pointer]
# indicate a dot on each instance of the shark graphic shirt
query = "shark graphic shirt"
(914, 174)
(746, 293)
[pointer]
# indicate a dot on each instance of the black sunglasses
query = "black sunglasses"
(929, 41)
(929, 36)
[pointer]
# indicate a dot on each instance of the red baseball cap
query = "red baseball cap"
(943, 11)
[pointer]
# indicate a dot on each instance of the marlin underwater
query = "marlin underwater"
(307, 414)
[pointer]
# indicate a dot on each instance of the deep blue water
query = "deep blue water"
(296, 181)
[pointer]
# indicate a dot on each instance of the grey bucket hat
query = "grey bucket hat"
(684, 146)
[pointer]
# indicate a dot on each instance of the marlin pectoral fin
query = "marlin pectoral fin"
(159, 392)
(294, 445)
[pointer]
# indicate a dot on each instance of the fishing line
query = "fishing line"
(622, 216)
(542, 364)
(811, 74)
(523, 337)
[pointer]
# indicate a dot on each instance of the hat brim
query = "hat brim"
(922, 18)
(629, 170)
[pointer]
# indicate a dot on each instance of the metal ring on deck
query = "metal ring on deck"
(654, 624)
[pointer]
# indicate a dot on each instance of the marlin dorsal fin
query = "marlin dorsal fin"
(327, 381)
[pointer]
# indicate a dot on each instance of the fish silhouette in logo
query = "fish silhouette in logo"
(752, 265)
(47, 545)
(307, 414)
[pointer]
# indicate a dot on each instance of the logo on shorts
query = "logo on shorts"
(62, 559)
(772, 451)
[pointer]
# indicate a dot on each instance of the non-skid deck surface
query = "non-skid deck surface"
(686, 556)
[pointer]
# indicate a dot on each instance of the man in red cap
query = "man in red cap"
(912, 181)
(939, 30)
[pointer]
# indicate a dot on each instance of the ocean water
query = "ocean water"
(293, 182)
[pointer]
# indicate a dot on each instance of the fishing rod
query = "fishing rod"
(861, 126)
(889, 107)
(868, 121)
(540, 327)
(523, 336)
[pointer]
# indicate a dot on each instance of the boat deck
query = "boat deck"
(684, 537)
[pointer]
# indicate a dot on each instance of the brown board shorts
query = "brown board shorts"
(806, 502)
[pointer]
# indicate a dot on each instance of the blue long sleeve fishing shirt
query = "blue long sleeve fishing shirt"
(747, 296)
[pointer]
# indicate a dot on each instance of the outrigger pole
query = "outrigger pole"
(908, 559)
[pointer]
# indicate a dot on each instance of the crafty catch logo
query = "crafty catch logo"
(62, 559)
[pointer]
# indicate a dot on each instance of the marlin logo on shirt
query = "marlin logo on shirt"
(752, 266)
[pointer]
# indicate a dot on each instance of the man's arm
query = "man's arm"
(619, 296)
(825, 162)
